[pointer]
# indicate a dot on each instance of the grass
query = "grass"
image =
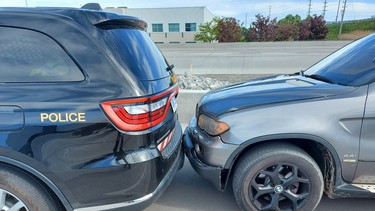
(354, 35)
(352, 30)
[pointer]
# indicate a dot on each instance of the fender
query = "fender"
(39, 175)
(233, 157)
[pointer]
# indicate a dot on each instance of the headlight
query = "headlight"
(211, 126)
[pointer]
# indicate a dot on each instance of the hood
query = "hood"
(279, 89)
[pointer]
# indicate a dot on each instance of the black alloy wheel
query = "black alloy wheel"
(283, 186)
(277, 177)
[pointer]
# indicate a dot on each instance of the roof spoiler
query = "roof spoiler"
(92, 6)
(122, 24)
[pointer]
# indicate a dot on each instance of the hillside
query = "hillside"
(351, 30)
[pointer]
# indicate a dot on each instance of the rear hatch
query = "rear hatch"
(135, 49)
(138, 56)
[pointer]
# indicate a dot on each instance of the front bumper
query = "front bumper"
(212, 174)
(207, 155)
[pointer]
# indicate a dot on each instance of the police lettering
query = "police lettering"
(63, 117)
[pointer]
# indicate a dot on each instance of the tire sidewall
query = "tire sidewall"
(26, 189)
(304, 163)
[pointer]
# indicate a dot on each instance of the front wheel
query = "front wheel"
(277, 177)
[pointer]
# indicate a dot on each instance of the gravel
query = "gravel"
(212, 81)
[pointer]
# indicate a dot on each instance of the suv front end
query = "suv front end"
(207, 154)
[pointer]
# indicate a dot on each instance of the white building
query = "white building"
(170, 25)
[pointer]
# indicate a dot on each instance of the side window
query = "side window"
(29, 56)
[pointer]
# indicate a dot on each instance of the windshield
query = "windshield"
(138, 53)
(352, 65)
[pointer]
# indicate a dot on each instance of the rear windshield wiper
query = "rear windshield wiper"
(170, 67)
(322, 78)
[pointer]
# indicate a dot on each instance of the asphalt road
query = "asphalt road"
(188, 191)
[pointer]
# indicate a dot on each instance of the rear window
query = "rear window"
(137, 52)
(29, 56)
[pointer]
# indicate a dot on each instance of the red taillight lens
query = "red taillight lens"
(139, 114)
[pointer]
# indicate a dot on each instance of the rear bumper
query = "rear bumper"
(145, 201)
(142, 203)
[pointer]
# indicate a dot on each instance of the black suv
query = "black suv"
(88, 111)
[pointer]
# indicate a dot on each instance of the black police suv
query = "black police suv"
(87, 109)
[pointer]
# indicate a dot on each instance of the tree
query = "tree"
(290, 19)
(286, 32)
(305, 30)
(229, 30)
(245, 34)
(313, 28)
(263, 29)
(288, 28)
(208, 31)
(319, 29)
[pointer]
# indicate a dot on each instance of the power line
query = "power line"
(342, 16)
(325, 8)
(309, 12)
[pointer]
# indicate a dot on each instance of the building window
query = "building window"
(174, 27)
(191, 27)
(157, 27)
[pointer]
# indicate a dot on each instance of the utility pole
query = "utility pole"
(26, 3)
(342, 17)
(325, 8)
(338, 9)
(246, 21)
(269, 12)
(309, 12)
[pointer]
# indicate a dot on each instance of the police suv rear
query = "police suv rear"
(87, 109)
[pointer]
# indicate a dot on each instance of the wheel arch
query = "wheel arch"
(315, 146)
(40, 177)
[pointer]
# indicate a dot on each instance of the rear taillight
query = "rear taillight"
(137, 114)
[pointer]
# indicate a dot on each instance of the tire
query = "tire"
(22, 192)
(277, 176)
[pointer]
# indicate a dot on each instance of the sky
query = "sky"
(240, 9)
